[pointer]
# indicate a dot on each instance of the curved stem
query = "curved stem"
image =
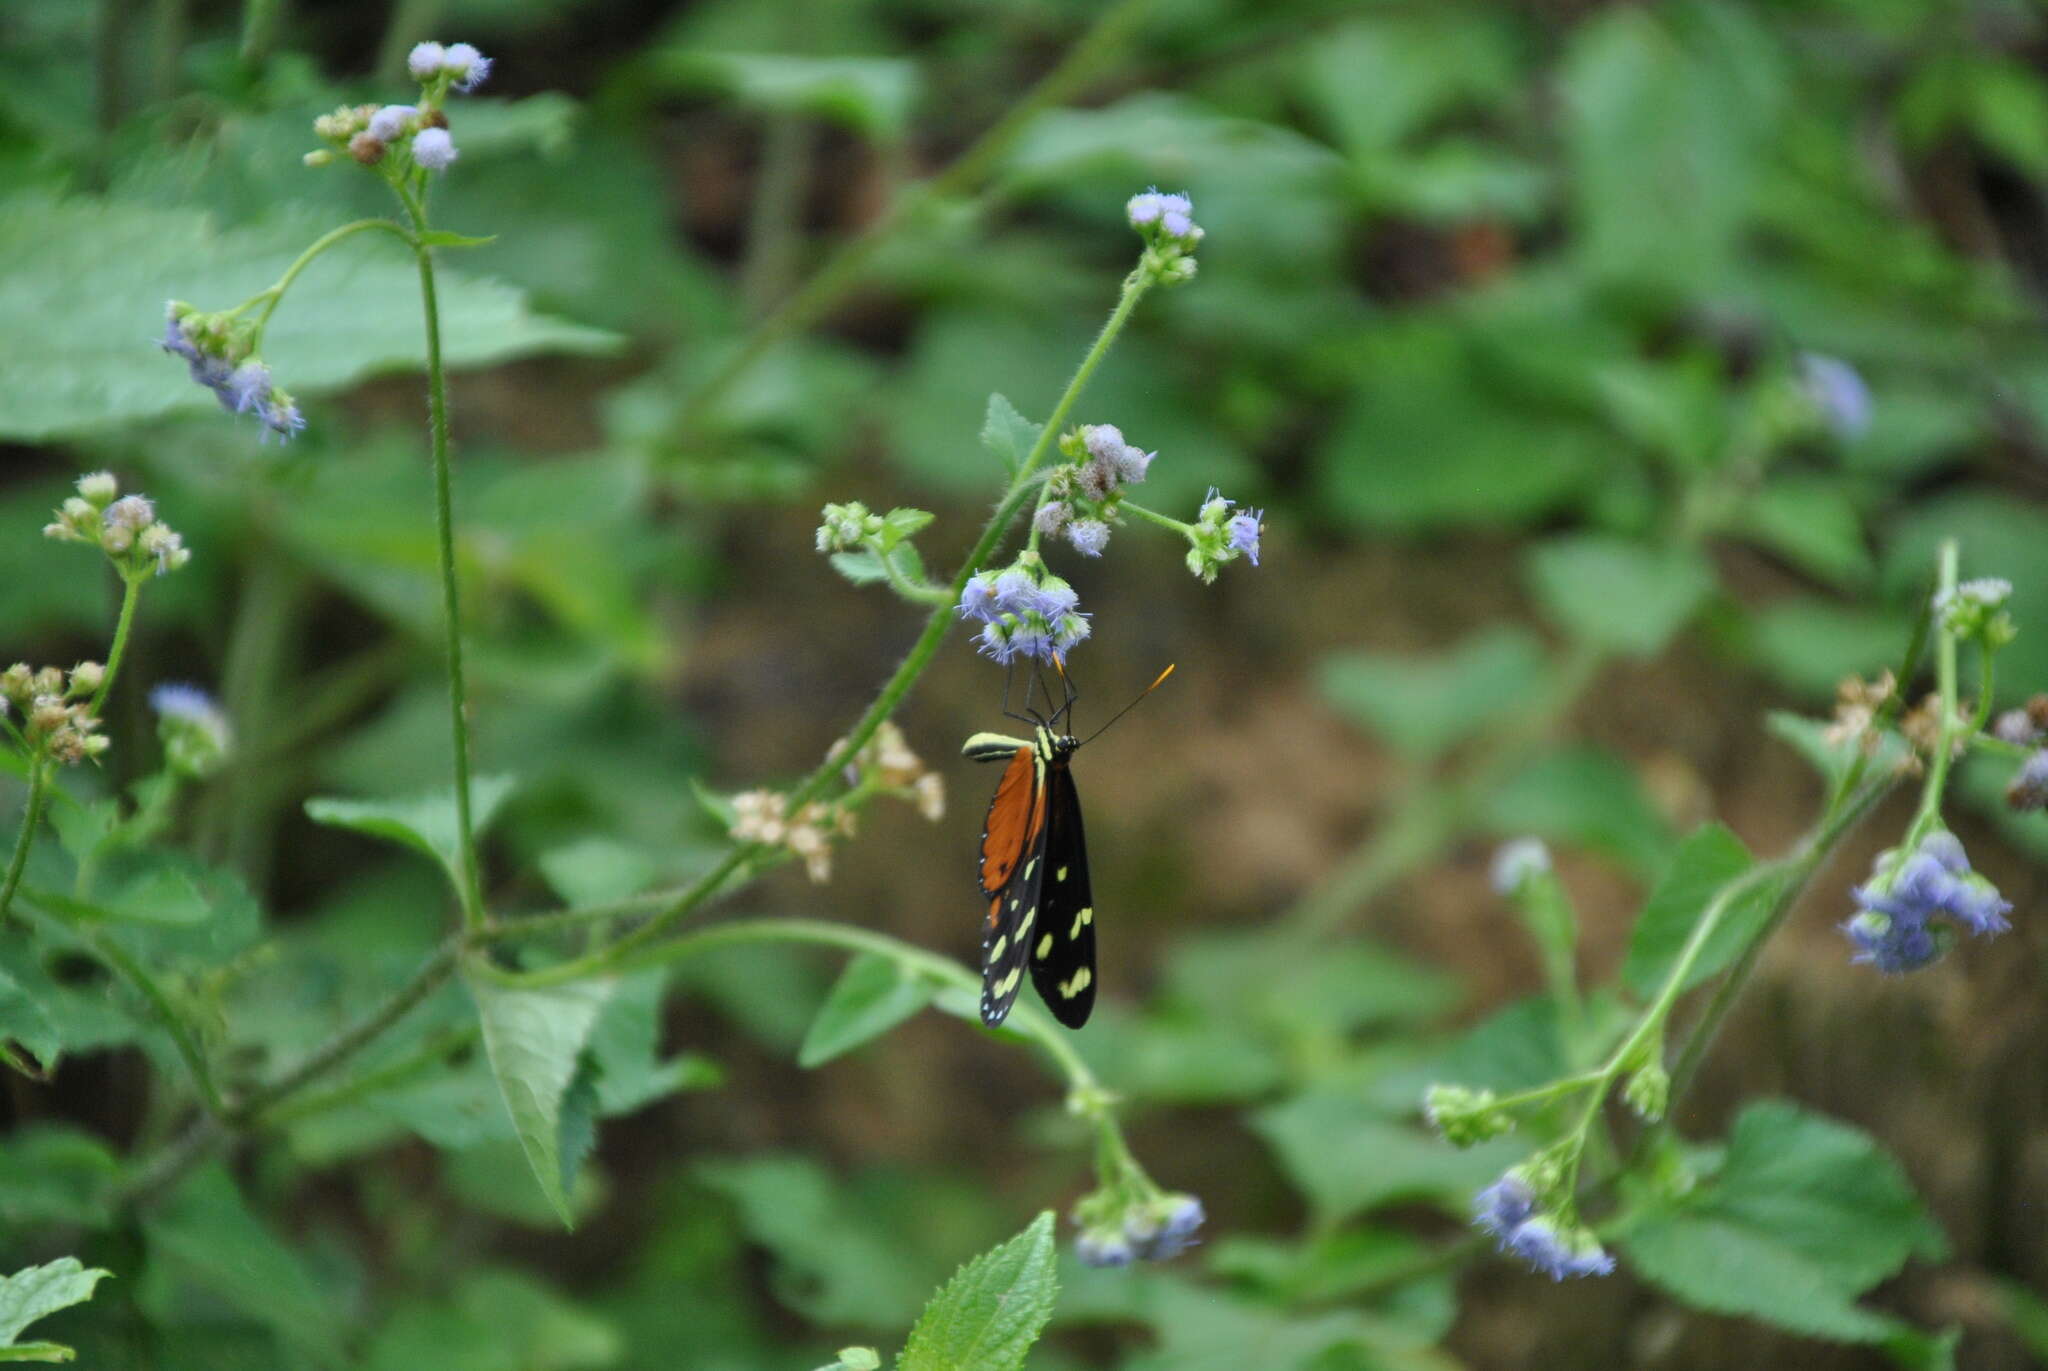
(38, 786)
(451, 600)
(275, 294)
(131, 592)
(1154, 516)
(1929, 812)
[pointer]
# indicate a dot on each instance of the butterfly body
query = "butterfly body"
(1034, 874)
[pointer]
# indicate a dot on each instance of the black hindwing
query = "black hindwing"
(1062, 937)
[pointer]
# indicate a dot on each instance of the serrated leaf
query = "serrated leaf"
(1008, 435)
(994, 1308)
(1424, 704)
(81, 359)
(1804, 1216)
(1618, 594)
(535, 1040)
(37, 1291)
(425, 823)
(872, 996)
(901, 523)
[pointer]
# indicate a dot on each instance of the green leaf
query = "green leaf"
(625, 1049)
(1617, 594)
(901, 523)
(1007, 434)
(426, 824)
(1815, 524)
(37, 1291)
(442, 238)
(870, 998)
(1424, 704)
(205, 1235)
(91, 362)
(1709, 858)
(1811, 644)
(26, 1026)
(52, 1175)
(1346, 1157)
(994, 1308)
(495, 1321)
(864, 568)
(1805, 1215)
(1582, 795)
(535, 1040)
(871, 95)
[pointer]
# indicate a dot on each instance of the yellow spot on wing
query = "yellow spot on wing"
(1060, 875)
(1082, 920)
(1001, 945)
(1045, 947)
(1070, 988)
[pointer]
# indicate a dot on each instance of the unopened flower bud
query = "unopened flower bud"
(98, 488)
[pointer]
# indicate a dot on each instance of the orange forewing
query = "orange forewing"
(1014, 816)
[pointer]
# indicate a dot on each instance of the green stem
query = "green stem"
(922, 593)
(1928, 816)
(427, 1055)
(846, 267)
(773, 242)
(131, 592)
(272, 296)
(1154, 516)
(38, 786)
(451, 601)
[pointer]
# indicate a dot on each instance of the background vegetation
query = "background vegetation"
(1501, 318)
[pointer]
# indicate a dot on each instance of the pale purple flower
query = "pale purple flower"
(1243, 532)
(1103, 440)
(1557, 1254)
(425, 60)
(1145, 209)
(387, 125)
(1051, 517)
(1070, 631)
(978, 598)
(1132, 463)
(1016, 591)
(280, 415)
(1894, 929)
(469, 67)
(434, 149)
(1104, 1249)
(2029, 788)
(1177, 1234)
(247, 387)
(1089, 536)
(1503, 1206)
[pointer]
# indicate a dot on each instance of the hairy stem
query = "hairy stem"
(131, 593)
(275, 294)
(31, 815)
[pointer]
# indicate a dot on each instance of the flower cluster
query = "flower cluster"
(1024, 611)
(1117, 1229)
(1975, 610)
(758, 818)
(1549, 1240)
(369, 133)
(1465, 1116)
(1081, 496)
(56, 709)
(1171, 234)
(1218, 536)
(1857, 702)
(1894, 929)
(125, 528)
(847, 527)
(887, 764)
(192, 727)
(220, 349)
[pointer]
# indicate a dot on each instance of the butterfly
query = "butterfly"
(1034, 868)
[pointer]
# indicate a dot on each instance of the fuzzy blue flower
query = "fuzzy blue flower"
(1103, 440)
(994, 639)
(1145, 209)
(1051, 517)
(434, 149)
(1089, 536)
(424, 61)
(978, 598)
(1132, 463)
(1894, 929)
(1104, 1249)
(280, 416)
(247, 387)
(1837, 390)
(1184, 1218)
(1503, 1206)
(1555, 1252)
(1243, 533)
(1069, 631)
(1055, 598)
(1032, 636)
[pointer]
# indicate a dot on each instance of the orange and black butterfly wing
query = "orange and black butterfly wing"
(1012, 865)
(1063, 938)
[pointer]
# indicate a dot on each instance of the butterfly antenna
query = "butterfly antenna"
(1157, 681)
